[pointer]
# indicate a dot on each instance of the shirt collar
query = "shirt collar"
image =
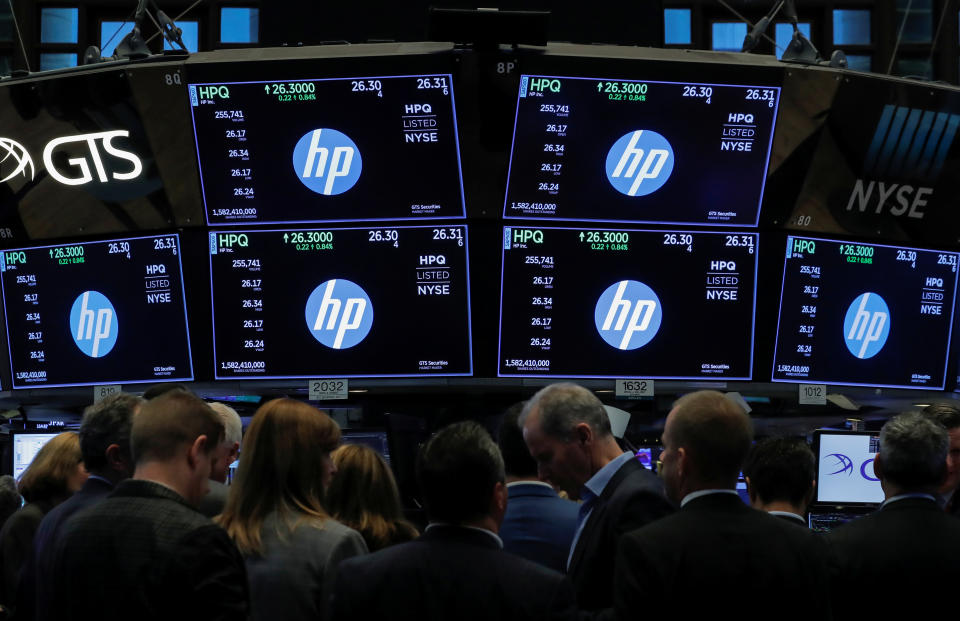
(789, 514)
(100, 478)
(479, 530)
(705, 492)
(541, 483)
(598, 482)
(900, 497)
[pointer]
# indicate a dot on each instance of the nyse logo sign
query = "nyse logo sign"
(908, 144)
(327, 161)
(639, 163)
(339, 313)
(99, 147)
(93, 324)
(628, 314)
(866, 325)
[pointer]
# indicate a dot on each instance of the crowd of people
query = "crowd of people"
(132, 519)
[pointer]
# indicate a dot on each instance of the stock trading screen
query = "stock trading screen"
(326, 150)
(864, 314)
(96, 313)
(357, 302)
(627, 303)
(640, 151)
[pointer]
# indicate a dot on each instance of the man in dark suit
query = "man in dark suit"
(538, 525)
(909, 543)
(457, 568)
(716, 547)
(216, 499)
(105, 446)
(567, 431)
(948, 416)
(145, 552)
(781, 477)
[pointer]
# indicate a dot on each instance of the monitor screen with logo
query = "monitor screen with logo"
(627, 303)
(96, 313)
(845, 467)
(640, 150)
(25, 448)
(355, 302)
(318, 150)
(377, 440)
(865, 314)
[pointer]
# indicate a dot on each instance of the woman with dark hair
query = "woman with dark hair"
(275, 512)
(364, 496)
(53, 476)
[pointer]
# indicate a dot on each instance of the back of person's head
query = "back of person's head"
(781, 469)
(232, 424)
(158, 390)
(48, 475)
(106, 423)
(458, 469)
(10, 499)
(563, 406)
(944, 413)
(363, 495)
(516, 457)
(913, 452)
(283, 467)
(167, 425)
(716, 433)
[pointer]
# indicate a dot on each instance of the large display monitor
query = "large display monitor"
(597, 148)
(100, 312)
(585, 302)
(319, 150)
(865, 314)
(354, 302)
(845, 467)
(25, 448)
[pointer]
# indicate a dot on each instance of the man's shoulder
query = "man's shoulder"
(632, 478)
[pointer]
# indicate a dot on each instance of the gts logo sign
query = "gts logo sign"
(628, 315)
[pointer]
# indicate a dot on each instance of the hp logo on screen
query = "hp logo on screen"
(339, 313)
(93, 324)
(327, 161)
(639, 163)
(866, 325)
(628, 314)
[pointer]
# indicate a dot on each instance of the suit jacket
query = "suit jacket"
(539, 525)
(448, 573)
(909, 544)
(715, 550)
(35, 582)
(632, 498)
(793, 519)
(16, 547)
(293, 576)
(145, 553)
(213, 503)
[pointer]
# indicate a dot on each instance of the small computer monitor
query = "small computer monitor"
(845, 467)
(645, 457)
(25, 448)
(377, 440)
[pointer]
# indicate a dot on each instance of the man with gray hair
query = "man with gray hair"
(216, 499)
(568, 433)
(105, 446)
(909, 543)
(457, 569)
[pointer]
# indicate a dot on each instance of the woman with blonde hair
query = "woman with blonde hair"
(53, 476)
(275, 512)
(364, 496)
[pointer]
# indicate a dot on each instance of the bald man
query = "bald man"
(716, 548)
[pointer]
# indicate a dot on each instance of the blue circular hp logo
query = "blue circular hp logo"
(639, 163)
(339, 313)
(327, 161)
(866, 325)
(628, 314)
(93, 324)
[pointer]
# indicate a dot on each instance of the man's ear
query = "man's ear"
(583, 434)
(683, 462)
(116, 460)
(197, 450)
(751, 492)
(877, 467)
